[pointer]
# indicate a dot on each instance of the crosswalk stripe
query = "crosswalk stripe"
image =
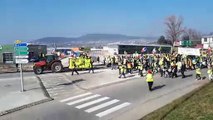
(84, 99)
(106, 112)
(101, 106)
(74, 97)
(92, 102)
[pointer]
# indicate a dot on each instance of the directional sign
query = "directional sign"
(21, 48)
(22, 61)
(22, 53)
(21, 57)
(21, 44)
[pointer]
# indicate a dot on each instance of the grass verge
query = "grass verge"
(196, 105)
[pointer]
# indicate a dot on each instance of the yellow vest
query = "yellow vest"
(149, 78)
(198, 71)
(209, 71)
(71, 65)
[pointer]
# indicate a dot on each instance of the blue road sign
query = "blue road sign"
(21, 44)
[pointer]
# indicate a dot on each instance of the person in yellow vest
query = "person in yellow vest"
(140, 69)
(210, 72)
(198, 73)
(90, 62)
(129, 67)
(149, 79)
(122, 70)
(73, 66)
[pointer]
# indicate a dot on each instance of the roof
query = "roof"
(207, 36)
(146, 45)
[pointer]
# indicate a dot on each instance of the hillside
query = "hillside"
(93, 39)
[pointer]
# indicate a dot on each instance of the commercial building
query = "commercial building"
(131, 49)
(7, 52)
(207, 41)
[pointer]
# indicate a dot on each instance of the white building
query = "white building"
(207, 41)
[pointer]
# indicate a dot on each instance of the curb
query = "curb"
(30, 104)
(24, 106)
(43, 88)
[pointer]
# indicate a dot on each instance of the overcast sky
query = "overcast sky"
(32, 19)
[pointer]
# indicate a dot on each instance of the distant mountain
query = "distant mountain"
(93, 39)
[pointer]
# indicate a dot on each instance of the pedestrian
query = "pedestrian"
(122, 71)
(17, 69)
(90, 62)
(140, 69)
(149, 79)
(98, 59)
(210, 71)
(73, 66)
(182, 69)
(198, 73)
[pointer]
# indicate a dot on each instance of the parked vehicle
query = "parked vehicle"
(49, 62)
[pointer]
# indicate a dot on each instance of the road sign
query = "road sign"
(21, 53)
(21, 44)
(21, 57)
(24, 48)
(21, 61)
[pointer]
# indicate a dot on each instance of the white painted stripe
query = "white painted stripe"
(101, 106)
(106, 112)
(92, 102)
(74, 97)
(84, 99)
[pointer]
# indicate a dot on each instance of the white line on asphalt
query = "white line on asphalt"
(74, 97)
(92, 102)
(84, 99)
(101, 106)
(106, 112)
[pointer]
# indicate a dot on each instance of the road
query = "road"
(107, 102)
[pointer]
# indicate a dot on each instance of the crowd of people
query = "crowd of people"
(167, 65)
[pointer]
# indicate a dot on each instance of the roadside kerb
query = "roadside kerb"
(46, 94)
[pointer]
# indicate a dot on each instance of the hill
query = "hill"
(93, 39)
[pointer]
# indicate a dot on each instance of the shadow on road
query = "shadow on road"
(190, 75)
(158, 87)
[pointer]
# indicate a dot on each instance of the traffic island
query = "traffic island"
(12, 99)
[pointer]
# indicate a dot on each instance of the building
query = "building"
(7, 52)
(207, 41)
(131, 49)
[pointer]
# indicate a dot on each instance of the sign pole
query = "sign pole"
(21, 75)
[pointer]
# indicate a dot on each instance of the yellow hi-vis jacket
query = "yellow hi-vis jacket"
(72, 63)
(209, 71)
(198, 71)
(149, 78)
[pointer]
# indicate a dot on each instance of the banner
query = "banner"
(189, 51)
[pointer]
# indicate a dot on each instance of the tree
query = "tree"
(174, 28)
(162, 40)
(193, 34)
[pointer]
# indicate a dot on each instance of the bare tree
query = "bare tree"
(193, 34)
(174, 28)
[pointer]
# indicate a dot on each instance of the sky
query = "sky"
(28, 20)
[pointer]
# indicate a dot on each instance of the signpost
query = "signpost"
(21, 57)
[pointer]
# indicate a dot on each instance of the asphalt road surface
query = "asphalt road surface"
(109, 102)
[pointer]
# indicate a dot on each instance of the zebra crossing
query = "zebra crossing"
(95, 103)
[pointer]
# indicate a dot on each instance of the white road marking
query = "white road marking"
(84, 99)
(74, 97)
(101, 106)
(106, 112)
(92, 102)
